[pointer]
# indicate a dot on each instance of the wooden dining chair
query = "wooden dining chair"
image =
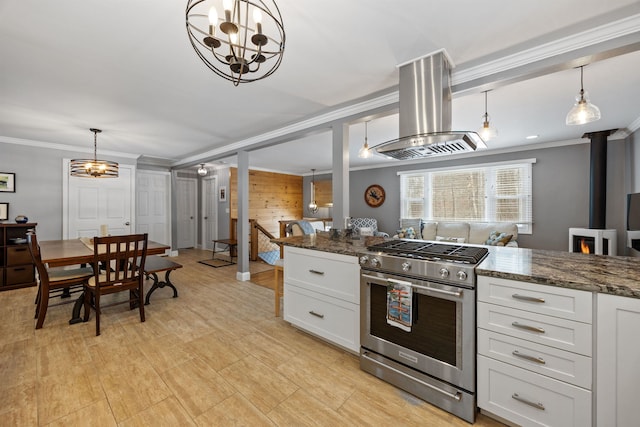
(54, 282)
(118, 266)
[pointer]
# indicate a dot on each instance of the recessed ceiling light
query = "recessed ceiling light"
(532, 136)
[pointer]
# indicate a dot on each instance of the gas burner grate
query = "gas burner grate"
(430, 250)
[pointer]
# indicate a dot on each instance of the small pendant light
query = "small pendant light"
(582, 111)
(202, 171)
(365, 152)
(313, 206)
(486, 132)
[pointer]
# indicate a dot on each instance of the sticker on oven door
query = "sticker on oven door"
(399, 298)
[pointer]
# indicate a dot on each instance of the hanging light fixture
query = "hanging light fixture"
(244, 51)
(202, 171)
(486, 132)
(365, 152)
(94, 168)
(313, 206)
(582, 111)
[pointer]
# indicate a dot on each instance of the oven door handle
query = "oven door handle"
(456, 294)
(455, 396)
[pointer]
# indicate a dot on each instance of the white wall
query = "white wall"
(38, 185)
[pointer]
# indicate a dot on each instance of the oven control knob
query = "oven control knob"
(462, 275)
(375, 262)
(444, 273)
(406, 266)
(364, 259)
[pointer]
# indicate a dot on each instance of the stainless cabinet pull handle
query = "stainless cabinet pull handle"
(313, 313)
(539, 360)
(317, 272)
(528, 402)
(527, 298)
(528, 327)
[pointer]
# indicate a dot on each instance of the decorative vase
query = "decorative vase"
(21, 219)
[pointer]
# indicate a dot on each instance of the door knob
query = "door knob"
(206, 217)
(191, 217)
(126, 223)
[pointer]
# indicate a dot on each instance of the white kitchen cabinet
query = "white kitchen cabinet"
(535, 345)
(322, 295)
(618, 361)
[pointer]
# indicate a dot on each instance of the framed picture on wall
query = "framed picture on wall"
(7, 182)
(4, 211)
(223, 194)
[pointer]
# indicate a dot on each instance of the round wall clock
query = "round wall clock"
(374, 195)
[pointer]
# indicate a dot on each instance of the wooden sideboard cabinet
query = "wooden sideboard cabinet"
(16, 267)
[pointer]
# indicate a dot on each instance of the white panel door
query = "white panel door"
(186, 212)
(153, 205)
(210, 212)
(94, 202)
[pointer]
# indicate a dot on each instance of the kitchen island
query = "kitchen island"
(615, 275)
(557, 332)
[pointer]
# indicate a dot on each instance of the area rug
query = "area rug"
(216, 263)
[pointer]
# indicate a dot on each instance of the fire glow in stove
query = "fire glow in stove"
(418, 327)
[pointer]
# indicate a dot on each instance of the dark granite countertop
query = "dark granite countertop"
(322, 242)
(614, 275)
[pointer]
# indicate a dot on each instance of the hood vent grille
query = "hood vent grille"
(425, 113)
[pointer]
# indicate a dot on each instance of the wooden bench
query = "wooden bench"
(155, 264)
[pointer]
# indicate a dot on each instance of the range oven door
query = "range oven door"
(441, 342)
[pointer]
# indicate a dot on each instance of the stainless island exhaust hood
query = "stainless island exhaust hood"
(425, 113)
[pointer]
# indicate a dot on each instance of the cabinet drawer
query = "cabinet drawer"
(529, 399)
(18, 255)
(333, 319)
(547, 330)
(559, 364)
(560, 302)
(19, 274)
(327, 273)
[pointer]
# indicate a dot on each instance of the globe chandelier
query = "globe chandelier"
(245, 44)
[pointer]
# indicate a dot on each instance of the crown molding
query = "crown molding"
(385, 100)
(611, 31)
(63, 147)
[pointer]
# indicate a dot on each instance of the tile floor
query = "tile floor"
(214, 356)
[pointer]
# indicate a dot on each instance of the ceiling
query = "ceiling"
(128, 68)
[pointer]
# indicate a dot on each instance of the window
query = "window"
(492, 192)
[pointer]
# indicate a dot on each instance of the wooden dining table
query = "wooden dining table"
(59, 253)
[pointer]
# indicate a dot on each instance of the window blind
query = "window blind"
(495, 192)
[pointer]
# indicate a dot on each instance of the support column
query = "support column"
(340, 179)
(243, 273)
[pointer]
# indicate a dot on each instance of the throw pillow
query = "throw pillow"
(498, 239)
(450, 239)
(406, 233)
(414, 223)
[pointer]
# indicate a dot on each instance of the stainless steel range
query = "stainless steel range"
(418, 320)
